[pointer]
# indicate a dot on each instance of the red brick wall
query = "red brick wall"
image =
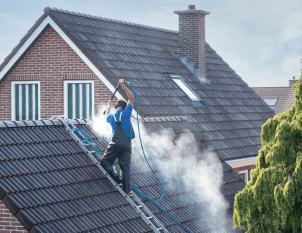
(8, 222)
(248, 168)
(51, 60)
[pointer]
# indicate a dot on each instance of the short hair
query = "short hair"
(122, 103)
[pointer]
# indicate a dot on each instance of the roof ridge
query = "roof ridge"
(164, 119)
(107, 19)
(38, 123)
(274, 87)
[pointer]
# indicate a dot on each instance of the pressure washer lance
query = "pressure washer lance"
(117, 87)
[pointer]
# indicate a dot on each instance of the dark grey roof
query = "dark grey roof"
(231, 124)
(51, 185)
(232, 120)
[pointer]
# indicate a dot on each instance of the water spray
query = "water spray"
(132, 186)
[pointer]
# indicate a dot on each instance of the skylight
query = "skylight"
(185, 88)
(271, 102)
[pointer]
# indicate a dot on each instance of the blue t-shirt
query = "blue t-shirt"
(126, 122)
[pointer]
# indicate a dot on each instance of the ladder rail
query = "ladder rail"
(140, 205)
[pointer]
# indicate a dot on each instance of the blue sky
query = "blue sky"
(260, 39)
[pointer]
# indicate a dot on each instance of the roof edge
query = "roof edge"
(240, 159)
(109, 20)
(273, 87)
(163, 119)
(68, 36)
(41, 123)
(23, 40)
(90, 58)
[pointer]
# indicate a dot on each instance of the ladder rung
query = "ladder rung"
(140, 206)
(149, 217)
(159, 229)
(92, 151)
(88, 144)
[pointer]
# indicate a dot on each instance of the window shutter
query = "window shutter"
(77, 104)
(23, 112)
(70, 105)
(26, 102)
(90, 101)
(84, 102)
(79, 100)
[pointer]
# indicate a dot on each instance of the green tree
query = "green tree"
(271, 200)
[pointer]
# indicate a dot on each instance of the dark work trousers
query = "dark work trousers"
(119, 147)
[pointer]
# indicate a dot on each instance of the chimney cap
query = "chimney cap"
(192, 10)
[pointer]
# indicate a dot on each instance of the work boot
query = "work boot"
(130, 193)
(119, 181)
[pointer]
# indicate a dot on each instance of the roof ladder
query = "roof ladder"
(133, 199)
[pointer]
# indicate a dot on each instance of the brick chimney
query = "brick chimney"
(292, 81)
(191, 38)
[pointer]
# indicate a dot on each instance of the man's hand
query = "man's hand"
(128, 93)
(109, 103)
(122, 82)
(108, 107)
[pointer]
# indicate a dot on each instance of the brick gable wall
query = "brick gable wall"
(51, 60)
(8, 222)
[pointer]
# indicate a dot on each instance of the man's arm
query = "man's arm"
(128, 92)
(108, 108)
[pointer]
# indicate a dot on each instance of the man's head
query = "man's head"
(121, 104)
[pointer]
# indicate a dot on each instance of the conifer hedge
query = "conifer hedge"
(271, 200)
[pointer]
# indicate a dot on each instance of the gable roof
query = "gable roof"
(231, 122)
(285, 97)
(51, 185)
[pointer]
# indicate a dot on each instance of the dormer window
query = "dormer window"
(271, 102)
(187, 90)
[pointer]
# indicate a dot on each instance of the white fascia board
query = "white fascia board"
(23, 48)
(238, 160)
(245, 171)
(39, 29)
(86, 60)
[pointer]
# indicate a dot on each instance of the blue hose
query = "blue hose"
(87, 140)
(140, 139)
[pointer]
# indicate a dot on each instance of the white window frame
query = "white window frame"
(66, 82)
(188, 90)
(13, 100)
(247, 175)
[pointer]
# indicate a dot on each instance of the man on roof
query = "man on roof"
(122, 134)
